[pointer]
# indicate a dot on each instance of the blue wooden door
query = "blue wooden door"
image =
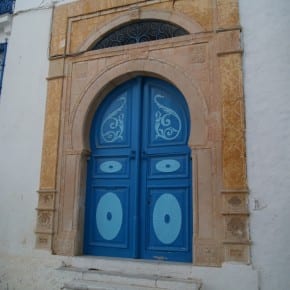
(139, 200)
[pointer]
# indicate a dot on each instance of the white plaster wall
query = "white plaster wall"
(22, 107)
(266, 30)
(24, 5)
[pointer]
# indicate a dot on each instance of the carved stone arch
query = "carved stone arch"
(141, 14)
(87, 104)
(103, 83)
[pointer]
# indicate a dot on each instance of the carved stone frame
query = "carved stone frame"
(205, 66)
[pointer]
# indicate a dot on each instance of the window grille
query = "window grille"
(7, 6)
(3, 49)
(141, 31)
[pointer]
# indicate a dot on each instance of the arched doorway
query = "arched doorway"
(139, 181)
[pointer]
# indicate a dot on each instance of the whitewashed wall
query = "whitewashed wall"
(22, 107)
(26, 5)
(267, 86)
(266, 30)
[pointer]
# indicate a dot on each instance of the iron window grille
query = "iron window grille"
(3, 49)
(140, 31)
(7, 6)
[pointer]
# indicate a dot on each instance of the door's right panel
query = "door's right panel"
(166, 179)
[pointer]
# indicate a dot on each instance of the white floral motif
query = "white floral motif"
(112, 127)
(164, 121)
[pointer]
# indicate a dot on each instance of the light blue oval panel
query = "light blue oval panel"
(109, 216)
(111, 166)
(167, 165)
(167, 218)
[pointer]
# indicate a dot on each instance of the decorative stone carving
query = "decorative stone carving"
(236, 228)
(51, 134)
(235, 211)
(207, 254)
(234, 162)
(43, 241)
(235, 203)
(238, 253)
(46, 200)
(44, 220)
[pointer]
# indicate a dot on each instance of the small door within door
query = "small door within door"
(139, 185)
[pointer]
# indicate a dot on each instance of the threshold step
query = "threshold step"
(93, 285)
(110, 280)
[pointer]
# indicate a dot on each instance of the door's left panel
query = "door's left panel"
(110, 226)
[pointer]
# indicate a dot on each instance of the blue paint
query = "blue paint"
(139, 200)
(167, 218)
(109, 216)
(3, 50)
(167, 122)
(111, 166)
(112, 127)
(167, 165)
(7, 6)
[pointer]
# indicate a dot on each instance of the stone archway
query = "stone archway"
(81, 114)
(94, 94)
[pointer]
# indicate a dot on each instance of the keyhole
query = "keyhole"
(167, 218)
(109, 216)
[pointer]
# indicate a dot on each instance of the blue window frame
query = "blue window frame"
(7, 6)
(3, 49)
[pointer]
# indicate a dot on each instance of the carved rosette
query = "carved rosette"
(47, 191)
(236, 229)
(45, 216)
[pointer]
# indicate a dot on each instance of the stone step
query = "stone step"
(148, 267)
(99, 279)
(93, 285)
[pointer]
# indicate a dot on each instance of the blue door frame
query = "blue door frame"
(139, 184)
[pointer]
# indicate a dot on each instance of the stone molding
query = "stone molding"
(138, 14)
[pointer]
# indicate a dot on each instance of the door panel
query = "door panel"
(167, 117)
(167, 222)
(139, 177)
(167, 183)
(112, 177)
(110, 217)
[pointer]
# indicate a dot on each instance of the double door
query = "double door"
(139, 185)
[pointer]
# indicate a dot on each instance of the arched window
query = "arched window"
(140, 31)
